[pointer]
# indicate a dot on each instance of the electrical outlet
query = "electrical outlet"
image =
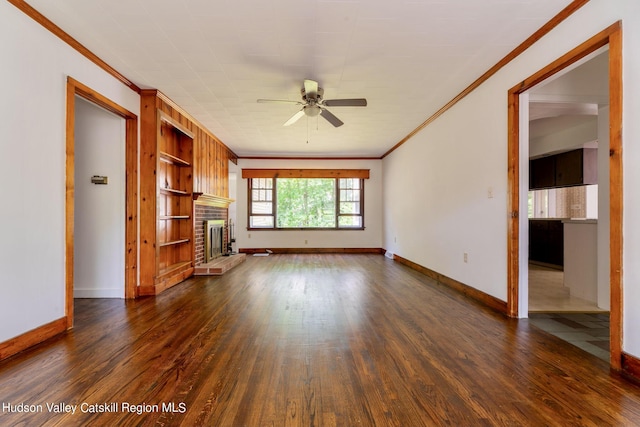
(305, 242)
(466, 257)
(249, 236)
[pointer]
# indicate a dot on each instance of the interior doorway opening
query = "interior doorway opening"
(568, 217)
(76, 90)
(99, 202)
(518, 230)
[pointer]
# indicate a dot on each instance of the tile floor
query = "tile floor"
(547, 293)
(554, 310)
(588, 331)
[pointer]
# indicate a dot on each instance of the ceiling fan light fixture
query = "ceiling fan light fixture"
(313, 104)
(311, 110)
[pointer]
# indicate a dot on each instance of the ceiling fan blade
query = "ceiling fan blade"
(311, 88)
(294, 118)
(277, 101)
(358, 102)
(331, 118)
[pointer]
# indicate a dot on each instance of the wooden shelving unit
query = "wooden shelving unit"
(170, 217)
(175, 192)
(168, 197)
(171, 159)
(175, 186)
(181, 165)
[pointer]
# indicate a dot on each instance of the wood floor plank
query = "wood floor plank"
(311, 340)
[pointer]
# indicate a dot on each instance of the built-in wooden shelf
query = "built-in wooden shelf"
(169, 158)
(166, 186)
(174, 242)
(174, 267)
(174, 191)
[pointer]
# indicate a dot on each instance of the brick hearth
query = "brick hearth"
(219, 265)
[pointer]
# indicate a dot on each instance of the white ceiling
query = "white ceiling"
(216, 57)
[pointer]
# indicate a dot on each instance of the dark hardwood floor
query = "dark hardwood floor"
(310, 340)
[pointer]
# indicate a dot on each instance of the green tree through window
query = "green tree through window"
(306, 202)
(296, 203)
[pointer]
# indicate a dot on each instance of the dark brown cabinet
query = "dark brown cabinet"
(568, 169)
(542, 173)
(546, 241)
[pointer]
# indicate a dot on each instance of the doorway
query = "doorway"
(569, 219)
(76, 91)
(99, 202)
(518, 184)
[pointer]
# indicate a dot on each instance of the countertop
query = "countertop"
(579, 221)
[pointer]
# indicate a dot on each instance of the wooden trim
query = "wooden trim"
(75, 44)
(69, 201)
(616, 205)
(468, 291)
(305, 158)
(546, 28)
(306, 173)
(613, 37)
(211, 200)
(631, 367)
(32, 337)
(574, 55)
(74, 88)
(168, 279)
(91, 95)
(379, 251)
(131, 209)
(513, 231)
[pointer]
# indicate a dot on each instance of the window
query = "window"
(350, 198)
(306, 203)
(261, 211)
(568, 202)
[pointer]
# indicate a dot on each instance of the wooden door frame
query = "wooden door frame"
(74, 88)
(611, 36)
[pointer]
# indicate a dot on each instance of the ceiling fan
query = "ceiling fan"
(313, 104)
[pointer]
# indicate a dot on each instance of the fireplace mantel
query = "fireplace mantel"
(211, 200)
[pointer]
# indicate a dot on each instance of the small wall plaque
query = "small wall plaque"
(97, 179)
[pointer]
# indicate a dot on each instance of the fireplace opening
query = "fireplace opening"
(213, 239)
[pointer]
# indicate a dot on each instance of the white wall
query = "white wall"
(99, 225)
(439, 208)
(445, 194)
(603, 209)
(370, 237)
(567, 138)
(35, 66)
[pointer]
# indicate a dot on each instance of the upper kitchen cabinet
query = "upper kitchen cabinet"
(542, 173)
(571, 168)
